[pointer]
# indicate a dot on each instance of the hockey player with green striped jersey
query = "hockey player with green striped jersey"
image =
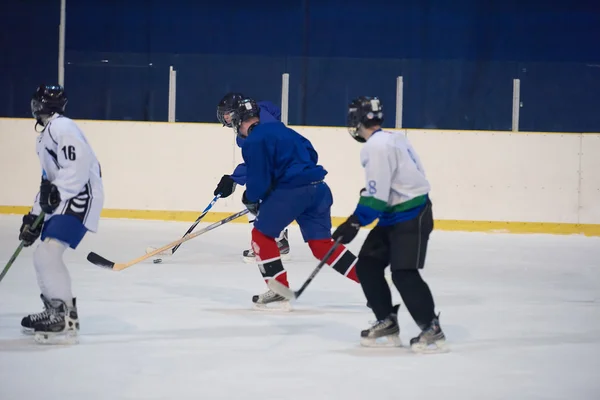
(397, 195)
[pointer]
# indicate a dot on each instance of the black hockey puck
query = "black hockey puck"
(157, 261)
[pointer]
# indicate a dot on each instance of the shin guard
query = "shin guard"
(268, 257)
(342, 260)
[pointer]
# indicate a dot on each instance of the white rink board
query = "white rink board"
(590, 180)
(487, 176)
(476, 176)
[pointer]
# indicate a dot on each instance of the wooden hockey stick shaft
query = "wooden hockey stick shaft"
(101, 261)
(35, 224)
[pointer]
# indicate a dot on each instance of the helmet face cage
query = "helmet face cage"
(363, 112)
(224, 115)
(48, 100)
(226, 106)
(353, 123)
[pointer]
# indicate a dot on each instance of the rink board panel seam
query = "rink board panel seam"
(443, 225)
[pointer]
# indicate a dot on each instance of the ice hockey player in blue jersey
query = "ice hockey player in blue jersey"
(284, 183)
(397, 195)
(71, 195)
(269, 112)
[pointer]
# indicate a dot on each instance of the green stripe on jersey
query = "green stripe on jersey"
(407, 205)
(381, 206)
(372, 202)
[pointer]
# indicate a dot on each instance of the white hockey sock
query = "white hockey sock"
(52, 273)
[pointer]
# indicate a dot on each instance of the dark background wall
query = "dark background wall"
(458, 58)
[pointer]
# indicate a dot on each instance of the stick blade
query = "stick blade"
(100, 261)
(281, 290)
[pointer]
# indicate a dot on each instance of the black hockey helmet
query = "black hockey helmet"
(226, 105)
(48, 100)
(363, 111)
(245, 109)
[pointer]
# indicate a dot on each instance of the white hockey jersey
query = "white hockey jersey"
(395, 178)
(68, 161)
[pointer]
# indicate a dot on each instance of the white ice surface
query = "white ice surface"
(521, 313)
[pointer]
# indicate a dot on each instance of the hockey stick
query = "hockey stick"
(168, 253)
(103, 262)
(35, 224)
(290, 294)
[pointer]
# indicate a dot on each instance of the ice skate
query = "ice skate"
(271, 301)
(29, 321)
(282, 243)
(384, 333)
(430, 340)
(61, 325)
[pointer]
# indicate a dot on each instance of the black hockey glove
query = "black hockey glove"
(252, 207)
(348, 230)
(28, 235)
(226, 186)
(49, 196)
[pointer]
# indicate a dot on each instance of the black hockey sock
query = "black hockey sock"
(416, 295)
(372, 280)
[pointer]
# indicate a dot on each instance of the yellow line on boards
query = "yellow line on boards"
(443, 225)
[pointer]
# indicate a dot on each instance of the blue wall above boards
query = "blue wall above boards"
(458, 61)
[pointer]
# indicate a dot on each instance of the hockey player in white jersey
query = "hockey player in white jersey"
(396, 194)
(71, 196)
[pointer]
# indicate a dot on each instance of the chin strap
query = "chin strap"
(253, 126)
(40, 123)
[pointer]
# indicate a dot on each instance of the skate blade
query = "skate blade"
(161, 254)
(27, 331)
(382, 342)
(249, 260)
(61, 338)
(436, 347)
(277, 306)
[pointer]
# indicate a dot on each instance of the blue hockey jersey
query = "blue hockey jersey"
(278, 157)
(269, 112)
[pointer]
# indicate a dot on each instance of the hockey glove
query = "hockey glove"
(49, 196)
(226, 186)
(28, 235)
(348, 230)
(252, 207)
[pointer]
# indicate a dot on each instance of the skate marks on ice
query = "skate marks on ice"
(455, 345)
(19, 342)
(27, 343)
(231, 300)
(296, 310)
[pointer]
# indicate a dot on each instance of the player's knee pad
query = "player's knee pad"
(49, 250)
(369, 266)
(406, 278)
(268, 257)
(320, 247)
(265, 247)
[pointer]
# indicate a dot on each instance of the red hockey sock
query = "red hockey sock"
(342, 260)
(268, 257)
